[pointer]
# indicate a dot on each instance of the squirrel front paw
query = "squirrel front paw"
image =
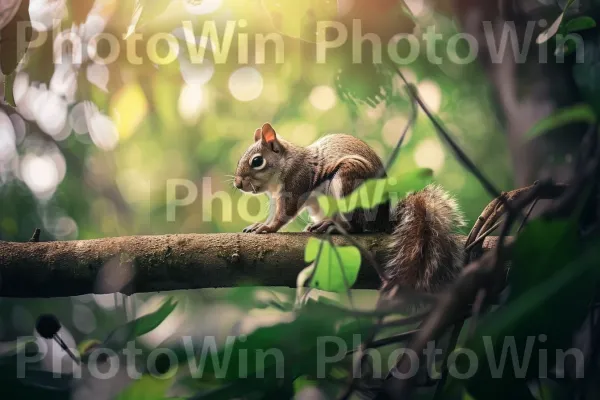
(321, 227)
(251, 228)
(260, 228)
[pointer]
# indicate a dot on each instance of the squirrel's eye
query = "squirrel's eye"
(258, 162)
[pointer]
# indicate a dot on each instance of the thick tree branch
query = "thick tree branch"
(169, 262)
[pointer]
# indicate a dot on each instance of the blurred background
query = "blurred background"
(110, 137)
(92, 147)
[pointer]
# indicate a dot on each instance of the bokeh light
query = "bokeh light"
(20, 86)
(196, 73)
(431, 94)
(246, 84)
(83, 318)
(8, 147)
(98, 75)
(102, 129)
(429, 154)
(50, 112)
(64, 81)
(393, 129)
(128, 107)
(191, 102)
(41, 174)
(323, 98)
(45, 14)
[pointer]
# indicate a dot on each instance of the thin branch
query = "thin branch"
(462, 157)
(524, 221)
(482, 237)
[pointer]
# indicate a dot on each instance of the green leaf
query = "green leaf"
(140, 326)
(148, 322)
(580, 24)
(336, 268)
(376, 191)
(148, 387)
(562, 117)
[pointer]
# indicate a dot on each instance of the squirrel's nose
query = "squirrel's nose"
(238, 182)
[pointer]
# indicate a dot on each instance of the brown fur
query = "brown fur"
(425, 252)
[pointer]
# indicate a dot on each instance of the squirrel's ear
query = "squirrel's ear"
(269, 137)
(257, 134)
(268, 133)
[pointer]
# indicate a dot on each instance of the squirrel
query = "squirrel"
(424, 253)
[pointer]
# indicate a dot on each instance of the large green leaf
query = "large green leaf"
(376, 191)
(580, 24)
(334, 268)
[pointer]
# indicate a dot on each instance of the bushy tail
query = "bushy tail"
(425, 253)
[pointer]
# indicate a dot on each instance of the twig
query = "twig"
(396, 151)
(36, 236)
(400, 337)
(476, 310)
(482, 237)
(524, 221)
(487, 184)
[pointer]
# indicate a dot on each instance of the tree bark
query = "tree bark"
(137, 264)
